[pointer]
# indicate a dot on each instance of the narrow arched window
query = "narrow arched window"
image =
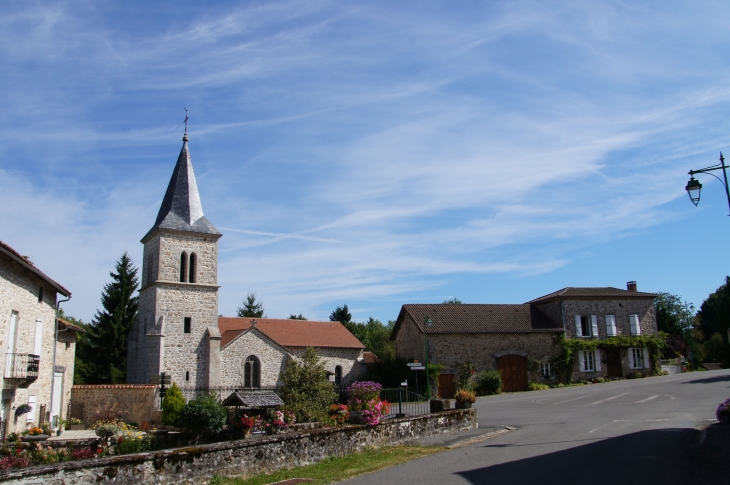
(251, 372)
(193, 260)
(183, 267)
(338, 375)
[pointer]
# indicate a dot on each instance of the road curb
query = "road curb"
(485, 436)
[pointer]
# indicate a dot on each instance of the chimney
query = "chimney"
(631, 286)
(253, 322)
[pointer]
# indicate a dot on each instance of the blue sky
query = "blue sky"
(373, 153)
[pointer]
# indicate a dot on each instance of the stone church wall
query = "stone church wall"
(272, 357)
(332, 357)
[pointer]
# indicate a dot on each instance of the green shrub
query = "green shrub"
(204, 414)
(133, 444)
(490, 382)
(172, 404)
(306, 390)
(536, 386)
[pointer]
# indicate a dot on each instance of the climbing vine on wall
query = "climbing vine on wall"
(564, 362)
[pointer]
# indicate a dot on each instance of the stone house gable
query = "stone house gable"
(28, 338)
(252, 342)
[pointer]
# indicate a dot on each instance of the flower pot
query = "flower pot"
(34, 438)
(59, 432)
(463, 405)
(76, 427)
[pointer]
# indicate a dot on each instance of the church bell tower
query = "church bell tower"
(176, 330)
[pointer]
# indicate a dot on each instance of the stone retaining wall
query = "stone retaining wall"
(136, 402)
(196, 465)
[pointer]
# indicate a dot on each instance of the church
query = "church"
(178, 330)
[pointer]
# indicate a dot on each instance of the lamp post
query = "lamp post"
(694, 186)
(427, 323)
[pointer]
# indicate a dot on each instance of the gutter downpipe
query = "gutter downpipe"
(55, 345)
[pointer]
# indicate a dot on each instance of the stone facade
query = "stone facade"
(136, 403)
(272, 356)
(242, 458)
(20, 289)
(158, 341)
(484, 348)
(346, 358)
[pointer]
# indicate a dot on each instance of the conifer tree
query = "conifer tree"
(250, 307)
(106, 349)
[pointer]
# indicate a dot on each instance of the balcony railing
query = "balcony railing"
(21, 366)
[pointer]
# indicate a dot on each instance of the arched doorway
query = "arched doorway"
(513, 369)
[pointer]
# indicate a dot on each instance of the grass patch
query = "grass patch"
(341, 468)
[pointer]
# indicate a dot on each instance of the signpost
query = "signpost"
(416, 366)
(163, 380)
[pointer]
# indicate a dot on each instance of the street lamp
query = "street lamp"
(427, 323)
(694, 186)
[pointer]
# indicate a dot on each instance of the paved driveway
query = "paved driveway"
(626, 432)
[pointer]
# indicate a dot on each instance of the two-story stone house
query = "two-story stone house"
(520, 340)
(33, 339)
(178, 331)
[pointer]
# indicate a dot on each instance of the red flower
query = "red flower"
(119, 441)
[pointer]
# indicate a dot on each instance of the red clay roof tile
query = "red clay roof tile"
(291, 333)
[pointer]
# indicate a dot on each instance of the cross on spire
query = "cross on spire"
(186, 120)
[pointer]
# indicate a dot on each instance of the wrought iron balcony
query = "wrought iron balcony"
(22, 366)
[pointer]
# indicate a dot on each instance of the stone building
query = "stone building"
(267, 344)
(519, 340)
(28, 301)
(178, 330)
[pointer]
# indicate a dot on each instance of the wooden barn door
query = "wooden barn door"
(514, 372)
(447, 386)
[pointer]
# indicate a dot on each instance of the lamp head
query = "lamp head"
(693, 190)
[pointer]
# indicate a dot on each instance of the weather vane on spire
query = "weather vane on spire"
(186, 120)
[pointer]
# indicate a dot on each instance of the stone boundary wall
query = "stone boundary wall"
(197, 465)
(136, 402)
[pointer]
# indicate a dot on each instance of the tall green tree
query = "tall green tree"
(250, 307)
(713, 320)
(341, 314)
(306, 390)
(105, 353)
(297, 317)
(672, 315)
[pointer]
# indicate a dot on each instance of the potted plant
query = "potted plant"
(247, 424)
(74, 424)
(21, 410)
(465, 398)
(34, 434)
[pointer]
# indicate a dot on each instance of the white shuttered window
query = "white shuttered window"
(578, 331)
(598, 359)
(589, 361)
(636, 358)
(594, 326)
(30, 417)
(611, 325)
(634, 322)
(38, 343)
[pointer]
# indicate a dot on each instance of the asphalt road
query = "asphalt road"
(625, 432)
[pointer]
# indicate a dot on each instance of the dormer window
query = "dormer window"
(193, 261)
(183, 267)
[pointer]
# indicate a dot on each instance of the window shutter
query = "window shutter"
(611, 325)
(598, 359)
(31, 415)
(647, 364)
(581, 362)
(594, 325)
(38, 344)
(578, 331)
(634, 321)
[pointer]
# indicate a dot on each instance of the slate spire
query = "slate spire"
(181, 208)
